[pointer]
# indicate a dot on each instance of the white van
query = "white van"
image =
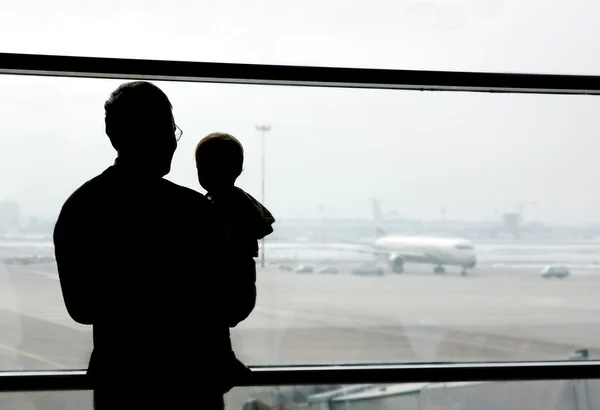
(555, 271)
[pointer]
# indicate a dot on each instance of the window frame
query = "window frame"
(73, 380)
(305, 76)
(314, 76)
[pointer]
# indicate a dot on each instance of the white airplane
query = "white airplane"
(419, 249)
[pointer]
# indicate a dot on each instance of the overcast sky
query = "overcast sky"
(478, 155)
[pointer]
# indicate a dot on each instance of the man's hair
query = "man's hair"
(131, 108)
(223, 146)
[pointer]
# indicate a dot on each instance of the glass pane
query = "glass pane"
(534, 395)
(513, 176)
(531, 395)
(480, 35)
(67, 400)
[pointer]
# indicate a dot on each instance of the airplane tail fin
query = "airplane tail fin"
(378, 219)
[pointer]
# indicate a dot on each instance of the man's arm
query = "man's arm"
(71, 249)
(235, 274)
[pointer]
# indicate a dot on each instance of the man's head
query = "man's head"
(140, 124)
(219, 161)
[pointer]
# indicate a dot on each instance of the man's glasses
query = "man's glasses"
(178, 133)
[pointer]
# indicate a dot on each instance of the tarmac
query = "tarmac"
(492, 314)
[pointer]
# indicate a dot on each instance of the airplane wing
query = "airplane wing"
(363, 248)
(342, 246)
(357, 247)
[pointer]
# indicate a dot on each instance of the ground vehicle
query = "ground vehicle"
(304, 269)
(555, 271)
(328, 269)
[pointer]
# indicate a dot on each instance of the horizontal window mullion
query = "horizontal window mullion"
(135, 69)
(334, 374)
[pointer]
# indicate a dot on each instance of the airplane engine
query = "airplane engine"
(397, 263)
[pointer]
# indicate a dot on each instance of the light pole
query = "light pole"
(263, 130)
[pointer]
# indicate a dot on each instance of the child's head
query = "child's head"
(219, 161)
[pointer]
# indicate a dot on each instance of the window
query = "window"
(513, 395)
(381, 139)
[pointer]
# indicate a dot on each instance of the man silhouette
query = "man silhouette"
(137, 259)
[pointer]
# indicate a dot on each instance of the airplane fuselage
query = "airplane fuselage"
(437, 251)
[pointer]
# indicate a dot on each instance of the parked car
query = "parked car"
(305, 269)
(328, 269)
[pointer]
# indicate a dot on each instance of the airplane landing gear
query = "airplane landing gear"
(463, 272)
(439, 269)
(398, 266)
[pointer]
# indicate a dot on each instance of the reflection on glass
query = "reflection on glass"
(475, 196)
(67, 400)
(532, 395)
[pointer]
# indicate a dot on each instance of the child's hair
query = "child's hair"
(223, 147)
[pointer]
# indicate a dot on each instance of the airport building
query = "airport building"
(10, 217)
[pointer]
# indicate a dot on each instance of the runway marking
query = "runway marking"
(32, 356)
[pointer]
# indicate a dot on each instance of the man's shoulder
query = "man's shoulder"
(80, 208)
(192, 217)
(88, 191)
(182, 193)
(188, 204)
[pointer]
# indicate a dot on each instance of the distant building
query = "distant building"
(10, 217)
(512, 223)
